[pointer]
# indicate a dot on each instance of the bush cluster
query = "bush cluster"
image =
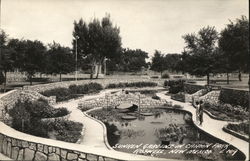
(165, 75)
(178, 97)
(27, 116)
(132, 84)
(175, 86)
(74, 91)
(234, 97)
(242, 128)
(226, 111)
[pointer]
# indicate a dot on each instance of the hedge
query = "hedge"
(132, 84)
(234, 97)
(192, 88)
(74, 91)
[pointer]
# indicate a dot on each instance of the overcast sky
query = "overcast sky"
(144, 24)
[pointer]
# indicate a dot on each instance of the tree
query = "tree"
(33, 58)
(60, 60)
(96, 41)
(234, 42)
(158, 62)
(133, 60)
(200, 54)
(171, 61)
(6, 63)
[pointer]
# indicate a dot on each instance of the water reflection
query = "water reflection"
(166, 127)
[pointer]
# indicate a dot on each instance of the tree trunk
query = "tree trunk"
(208, 79)
(161, 73)
(239, 75)
(91, 72)
(60, 76)
(30, 80)
(5, 81)
(227, 78)
(98, 69)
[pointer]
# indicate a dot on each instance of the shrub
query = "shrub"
(165, 75)
(74, 91)
(132, 84)
(59, 112)
(242, 128)
(175, 86)
(234, 97)
(178, 97)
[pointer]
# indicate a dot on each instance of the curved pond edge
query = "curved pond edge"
(103, 126)
(174, 109)
(236, 134)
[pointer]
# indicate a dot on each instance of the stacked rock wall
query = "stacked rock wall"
(211, 97)
(18, 149)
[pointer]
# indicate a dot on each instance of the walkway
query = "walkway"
(212, 126)
(93, 131)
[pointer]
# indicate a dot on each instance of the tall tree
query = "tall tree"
(33, 59)
(60, 60)
(200, 49)
(158, 62)
(234, 42)
(133, 60)
(6, 63)
(97, 40)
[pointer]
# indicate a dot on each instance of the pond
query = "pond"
(167, 133)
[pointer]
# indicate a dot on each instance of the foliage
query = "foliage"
(74, 91)
(165, 75)
(161, 62)
(157, 62)
(132, 84)
(60, 60)
(234, 43)
(96, 40)
(175, 86)
(26, 116)
(226, 112)
(199, 58)
(178, 97)
(242, 128)
(65, 130)
(235, 97)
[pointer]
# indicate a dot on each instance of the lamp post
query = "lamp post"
(77, 37)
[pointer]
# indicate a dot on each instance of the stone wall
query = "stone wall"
(211, 97)
(104, 82)
(192, 88)
(24, 150)
(118, 98)
(189, 97)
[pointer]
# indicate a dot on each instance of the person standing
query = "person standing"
(201, 112)
(197, 106)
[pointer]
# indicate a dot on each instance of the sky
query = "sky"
(144, 24)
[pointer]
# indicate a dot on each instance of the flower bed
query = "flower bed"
(226, 112)
(242, 128)
(27, 117)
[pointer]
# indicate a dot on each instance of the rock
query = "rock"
(53, 157)
(14, 153)
(28, 154)
(92, 157)
(20, 155)
(9, 149)
(40, 157)
(71, 156)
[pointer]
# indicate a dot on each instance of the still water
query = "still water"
(167, 134)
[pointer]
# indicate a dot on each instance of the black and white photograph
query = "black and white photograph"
(124, 80)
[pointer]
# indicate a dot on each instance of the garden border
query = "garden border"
(236, 134)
